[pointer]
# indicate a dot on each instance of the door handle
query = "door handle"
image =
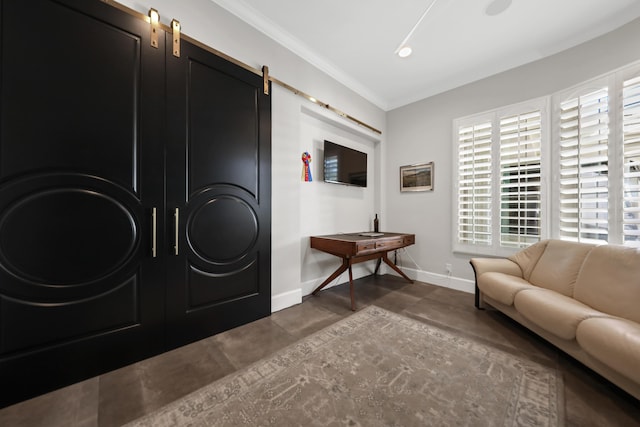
(154, 235)
(176, 218)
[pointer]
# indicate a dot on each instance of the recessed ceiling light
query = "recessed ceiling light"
(405, 51)
(496, 7)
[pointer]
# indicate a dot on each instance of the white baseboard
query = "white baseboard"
(291, 298)
(358, 271)
(286, 299)
(445, 281)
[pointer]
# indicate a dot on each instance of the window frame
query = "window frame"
(550, 160)
(614, 82)
(495, 115)
(557, 100)
(457, 124)
(632, 73)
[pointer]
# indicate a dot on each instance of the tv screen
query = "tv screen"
(343, 165)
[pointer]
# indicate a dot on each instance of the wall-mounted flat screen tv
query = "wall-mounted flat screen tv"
(343, 165)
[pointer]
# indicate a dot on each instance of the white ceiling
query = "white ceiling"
(457, 42)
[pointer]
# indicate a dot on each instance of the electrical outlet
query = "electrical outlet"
(447, 267)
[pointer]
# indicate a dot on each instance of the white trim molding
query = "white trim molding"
(441, 280)
(286, 300)
(291, 298)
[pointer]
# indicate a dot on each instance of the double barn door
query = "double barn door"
(134, 194)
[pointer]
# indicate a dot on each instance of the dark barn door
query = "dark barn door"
(218, 195)
(134, 194)
(81, 169)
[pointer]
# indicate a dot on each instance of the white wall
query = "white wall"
(302, 209)
(299, 209)
(332, 208)
(422, 132)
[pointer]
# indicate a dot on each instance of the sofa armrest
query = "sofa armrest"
(499, 265)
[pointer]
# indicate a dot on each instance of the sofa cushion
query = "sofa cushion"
(614, 342)
(553, 312)
(528, 258)
(610, 281)
(558, 266)
(502, 287)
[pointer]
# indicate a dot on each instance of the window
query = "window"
(499, 153)
(584, 167)
(631, 161)
(590, 155)
(474, 184)
(597, 145)
(520, 192)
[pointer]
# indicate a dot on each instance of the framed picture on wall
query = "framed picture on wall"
(417, 177)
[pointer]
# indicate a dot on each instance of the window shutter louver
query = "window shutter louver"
(631, 161)
(584, 194)
(520, 197)
(474, 184)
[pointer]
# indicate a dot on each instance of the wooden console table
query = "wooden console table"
(355, 247)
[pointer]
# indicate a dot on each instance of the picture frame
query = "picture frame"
(418, 177)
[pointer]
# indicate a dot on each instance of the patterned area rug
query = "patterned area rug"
(377, 368)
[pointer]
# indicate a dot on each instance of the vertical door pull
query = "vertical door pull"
(154, 235)
(176, 217)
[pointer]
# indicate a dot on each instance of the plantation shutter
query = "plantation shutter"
(584, 195)
(474, 184)
(520, 198)
(631, 161)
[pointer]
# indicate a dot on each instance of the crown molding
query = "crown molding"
(269, 28)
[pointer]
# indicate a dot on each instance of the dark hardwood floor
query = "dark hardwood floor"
(128, 393)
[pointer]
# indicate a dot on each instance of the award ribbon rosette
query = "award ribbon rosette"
(306, 170)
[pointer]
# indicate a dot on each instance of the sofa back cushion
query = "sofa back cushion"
(559, 265)
(610, 281)
(528, 258)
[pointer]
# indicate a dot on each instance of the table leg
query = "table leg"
(353, 302)
(378, 262)
(395, 267)
(339, 271)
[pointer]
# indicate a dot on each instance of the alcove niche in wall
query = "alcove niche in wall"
(333, 208)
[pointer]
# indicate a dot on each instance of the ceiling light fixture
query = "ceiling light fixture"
(496, 7)
(403, 50)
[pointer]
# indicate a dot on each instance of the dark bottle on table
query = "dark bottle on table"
(375, 224)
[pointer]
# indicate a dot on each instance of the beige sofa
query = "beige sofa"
(585, 299)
